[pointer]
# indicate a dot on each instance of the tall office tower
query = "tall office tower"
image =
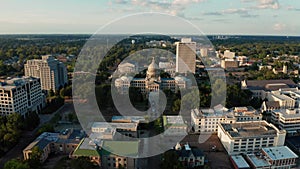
(21, 95)
(186, 56)
(53, 74)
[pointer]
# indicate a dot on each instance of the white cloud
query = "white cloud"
(279, 27)
(175, 7)
(264, 4)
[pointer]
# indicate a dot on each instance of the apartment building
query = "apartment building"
(243, 137)
(21, 95)
(53, 74)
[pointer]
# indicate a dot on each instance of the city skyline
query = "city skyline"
(257, 17)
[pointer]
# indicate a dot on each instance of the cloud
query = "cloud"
(291, 8)
(212, 13)
(243, 12)
(264, 4)
(268, 4)
(121, 1)
(279, 27)
(175, 7)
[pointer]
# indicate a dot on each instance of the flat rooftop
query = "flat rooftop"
(130, 119)
(249, 129)
(173, 120)
(278, 153)
(114, 125)
(286, 113)
(122, 148)
(240, 161)
(258, 161)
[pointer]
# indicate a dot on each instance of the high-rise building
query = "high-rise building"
(186, 56)
(21, 95)
(53, 74)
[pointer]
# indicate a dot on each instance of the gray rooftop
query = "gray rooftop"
(278, 153)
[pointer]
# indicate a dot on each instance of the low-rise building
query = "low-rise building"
(272, 157)
(118, 154)
(190, 156)
(86, 148)
(243, 137)
(239, 162)
(259, 88)
(287, 119)
(61, 143)
(116, 130)
(206, 120)
(229, 63)
(174, 125)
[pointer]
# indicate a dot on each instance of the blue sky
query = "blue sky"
(258, 17)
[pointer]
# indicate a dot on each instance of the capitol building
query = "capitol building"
(152, 82)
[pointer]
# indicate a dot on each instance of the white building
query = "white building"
(185, 56)
(53, 74)
(21, 95)
(153, 82)
(273, 157)
(284, 101)
(228, 54)
(243, 60)
(127, 68)
(243, 137)
(206, 120)
(287, 119)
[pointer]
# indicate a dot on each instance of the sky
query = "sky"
(248, 17)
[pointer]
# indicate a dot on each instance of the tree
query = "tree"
(45, 128)
(83, 163)
(16, 164)
(51, 93)
(176, 106)
(170, 161)
(62, 93)
(34, 160)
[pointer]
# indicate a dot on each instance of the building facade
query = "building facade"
(152, 82)
(287, 119)
(53, 74)
(207, 120)
(64, 143)
(190, 157)
(243, 137)
(185, 56)
(273, 157)
(21, 95)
